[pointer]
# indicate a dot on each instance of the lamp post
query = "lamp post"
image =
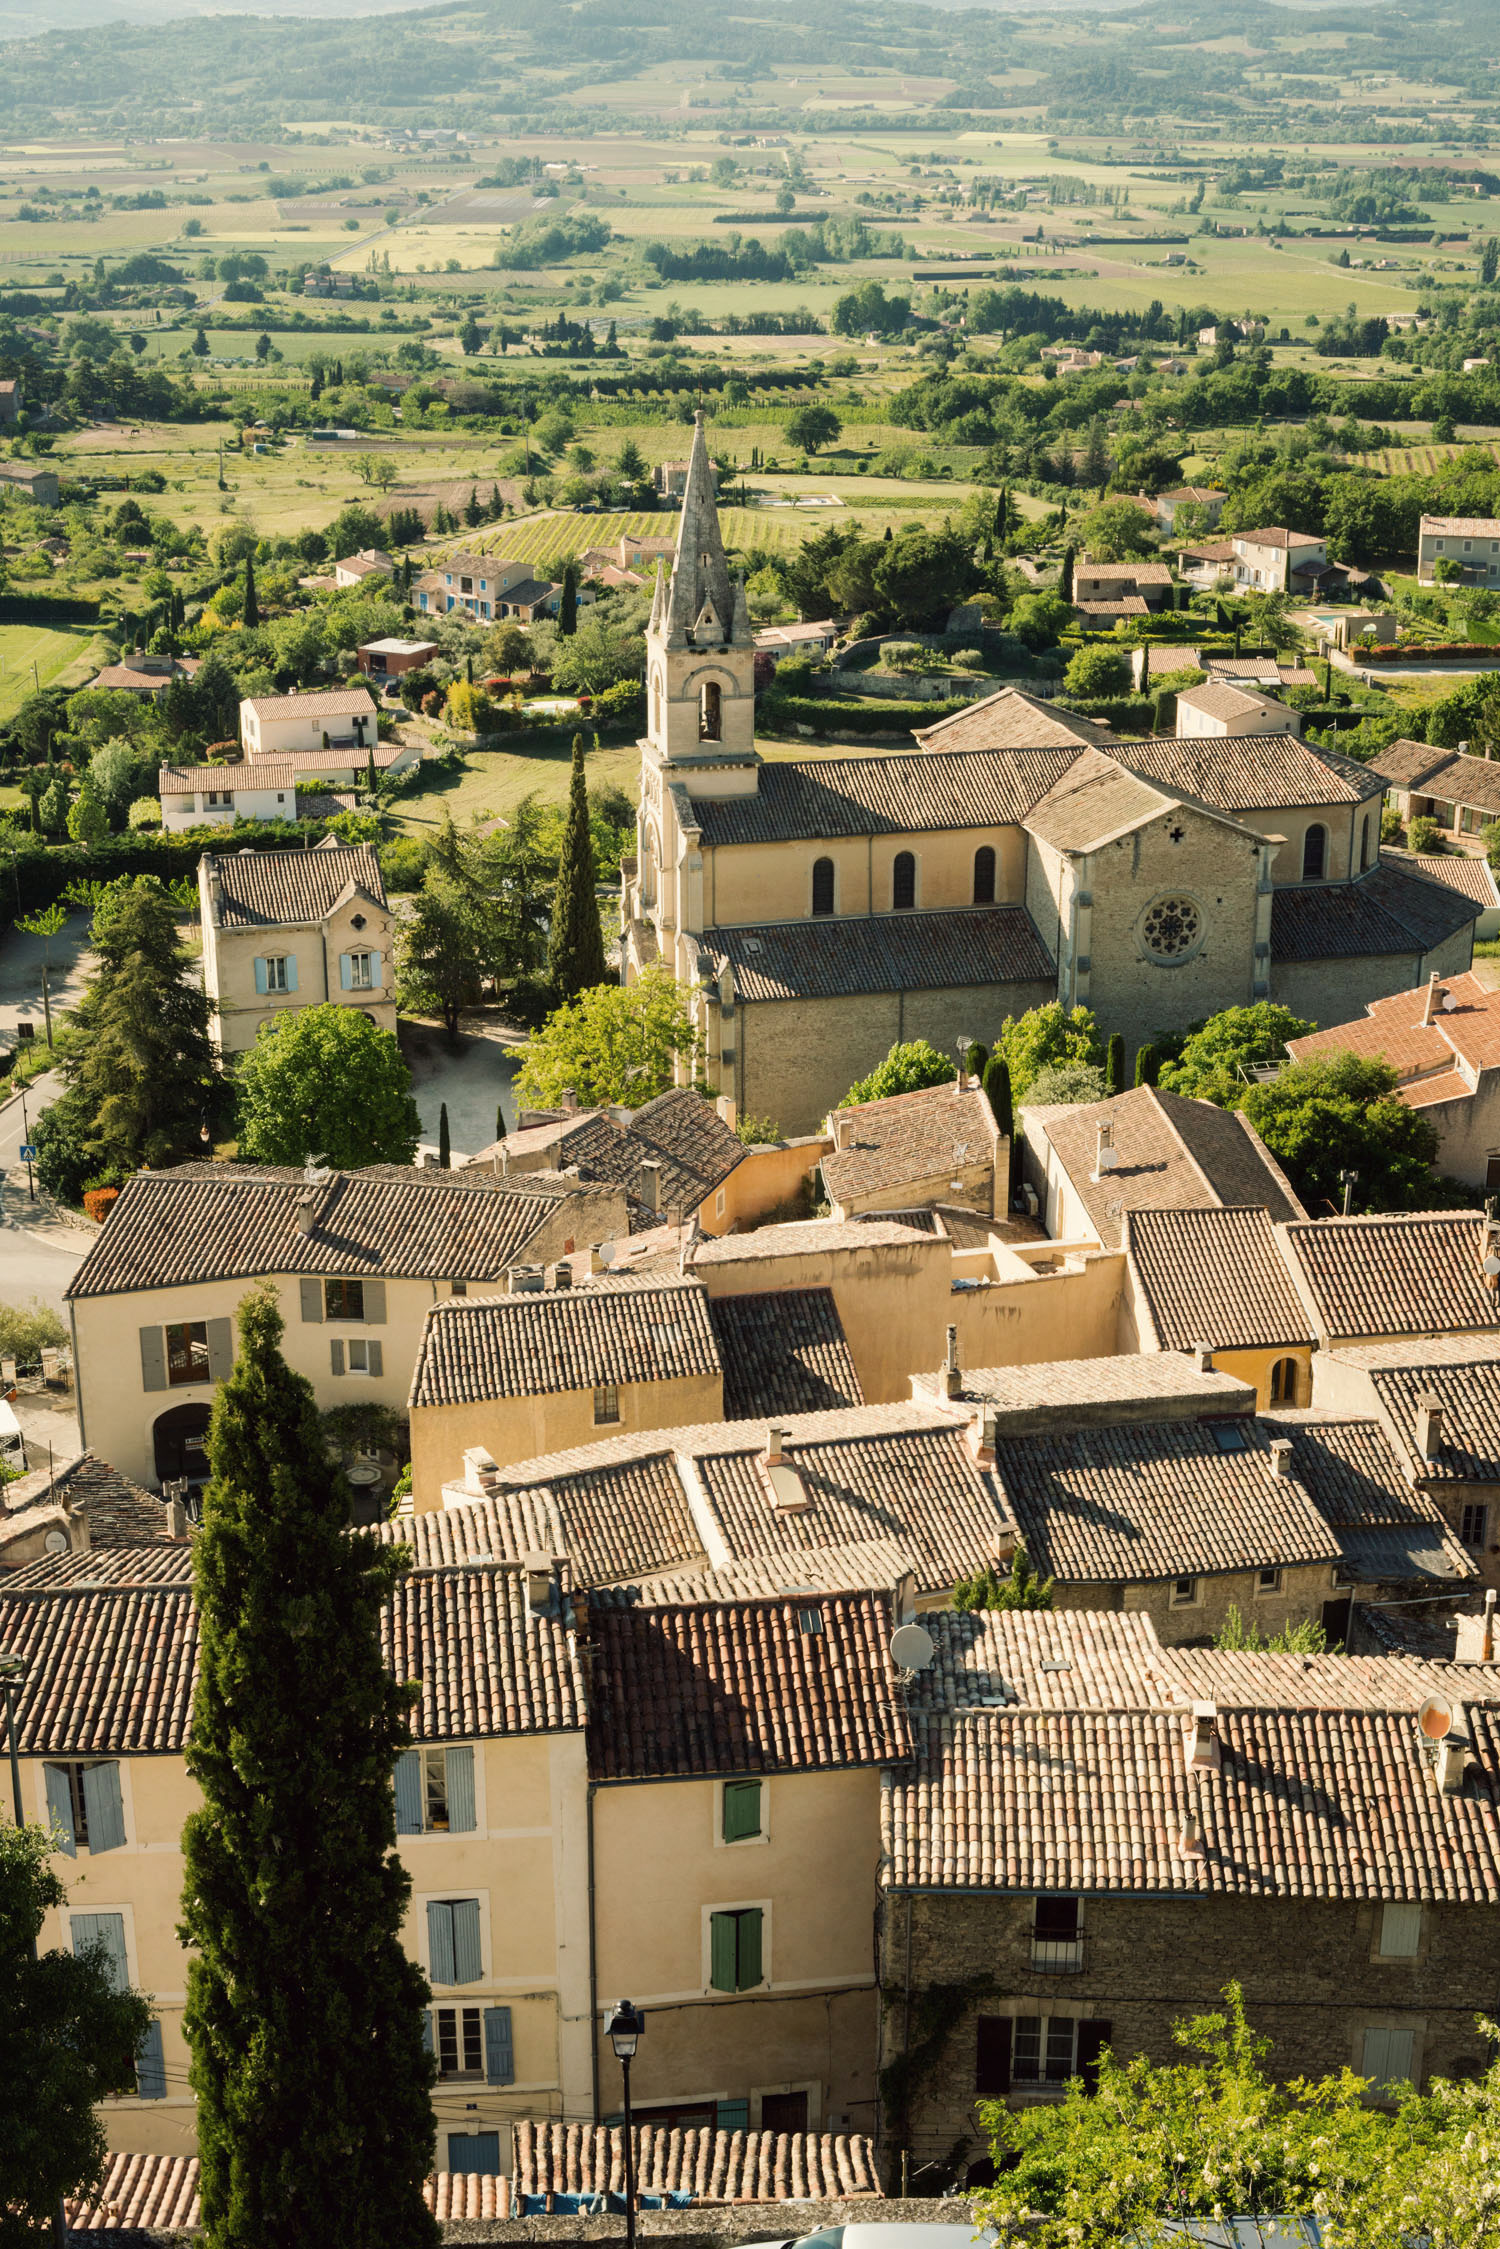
(12, 1679)
(625, 2027)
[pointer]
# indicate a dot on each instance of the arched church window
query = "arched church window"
(822, 886)
(984, 875)
(710, 712)
(1364, 843)
(904, 881)
(1315, 853)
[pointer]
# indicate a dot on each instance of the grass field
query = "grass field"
(31, 657)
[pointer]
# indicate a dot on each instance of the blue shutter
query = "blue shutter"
(468, 1963)
(291, 972)
(474, 2152)
(440, 1943)
(346, 972)
(409, 1792)
(427, 2030)
(732, 2116)
(108, 1931)
(60, 1801)
(102, 1809)
(499, 2047)
(260, 976)
(150, 2065)
(460, 1776)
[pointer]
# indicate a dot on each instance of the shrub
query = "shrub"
(1425, 835)
(25, 1329)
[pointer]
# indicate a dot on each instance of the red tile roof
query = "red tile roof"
(712, 2166)
(1404, 1273)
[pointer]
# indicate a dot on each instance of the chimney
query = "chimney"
(570, 1101)
(1476, 1634)
(651, 1184)
(982, 1437)
(307, 1204)
(774, 1440)
(1489, 1254)
(1429, 1427)
(562, 1274)
(481, 1471)
(1105, 1158)
(176, 1518)
(953, 1380)
(1281, 1456)
(80, 1537)
(1201, 1738)
(1434, 994)
(541, 1583)
(843, 1127)
(1453, 1757)
(1203, 1357)
(1188, 1844)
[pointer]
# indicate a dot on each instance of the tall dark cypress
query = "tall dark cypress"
(575, 952)
(252, 606)
(1114, 1063)
(567, 608)
(304, 2014)
(445, 1144)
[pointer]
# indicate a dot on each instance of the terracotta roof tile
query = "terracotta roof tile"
(1465, 1022)
(159, 2192)
(910, 1138)
(842, 957)
(1406, 765)
(617, 1510)
(1463, 1375)
(1402, 1273)
(269, 889)
(783, 1351)
(1096, 798)
(336, 702)
(1241, 772)
(1011, 720)
(530, 1346)
(1133, 1386)
(118, 1512)
(1386, 1530)
(712, 2166)
(863, 1565)
(1170, 1154)
(1385, 911)
(1213, 1276)
(1040, 1659)
(910, 791)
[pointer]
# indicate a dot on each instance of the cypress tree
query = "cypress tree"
(1114, 1063)
(567, 608)
(1147, 1064)
(575, 953)
(372, 778)
(445, 1145)
(303, 2012)
(1065, 582)
(252, 606)
(975, 1059)
(499, 1122)
(997, 1086)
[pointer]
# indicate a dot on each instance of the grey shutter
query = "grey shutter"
(150, 2065)
(262, 979)
(336, 1353)
(291, 972)
(468, 1965)
(440, 1943)
(499, 2048)
(108, 1931)
(375, 1303)
(220, 1349)
(153, 1359)
(312, 1298)
(60, 1802)
(102, 1809)
(427, 2030)
(374, 1359)
(409, 1793)
(459, 1765)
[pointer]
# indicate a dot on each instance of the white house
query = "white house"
(277, 726)
(370, 562)
(1269, 559)
(1472, 542)
(197, 796)
(1222, 707)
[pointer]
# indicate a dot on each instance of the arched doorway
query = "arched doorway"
(1284, 1383)
(180, 1441)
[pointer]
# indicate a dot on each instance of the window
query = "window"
(1364, 843)
(1387, 2057)
(150, 2066)
(1049, 2049)
(1056, 1944)
(104, 1933)
(344, 1300)
(734, 1943)
(187, 1351)
(364, 1357)
(1473, 1523)
(458, 1288)
(1171, 929)
(1268, 1581)
(1284, 1383)
(719, 1204)
(453, 1952)
(741, 1815)
(435, 1791)
(783, 2112)
(710, 712)
(992, 2057)
(460, 2041)
(1400, 1932)
(903, 881)
(606, 1402)
(276, 967)
(1229, 1436)
(475, 2151)
(822, 886)
(357, 971)
(1184, 1592)
(984, 875)
(1314, 852)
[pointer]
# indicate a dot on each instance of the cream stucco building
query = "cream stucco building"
(284, 930)
(819, 911)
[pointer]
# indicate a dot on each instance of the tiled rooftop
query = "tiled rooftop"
(1464, 1023)
(336, 702)
(273, 889)
(527, 1346)
(1170, 1154)
(1012, 720)
(1406, 765)
(1213, 1276)
(712, 2166)
(800, 1685)
(1385, 1529)
(1238, 772)
(843, 957)
(1134, 1386)
(895, 794)
(783, 1351)
(1095, 800)
(1385, 911)
(1404, 1273)
(117, 1511)
(866, 1564)
(908, 1140)
(1463, 1375)
(809, 1237)
(1040, 1659)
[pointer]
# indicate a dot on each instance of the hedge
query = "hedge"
(42, 874)
(824, 716)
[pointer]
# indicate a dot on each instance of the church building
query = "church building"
(820, 909)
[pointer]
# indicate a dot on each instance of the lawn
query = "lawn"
(32, 656)
(493, 782)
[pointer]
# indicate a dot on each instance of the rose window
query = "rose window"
(1172, 928)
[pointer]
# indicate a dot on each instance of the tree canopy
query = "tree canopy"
(1322, 1118)
(616, 1043)
(1215, 1057)
(1043, 1038)
(906, 1069)
(327, 1082)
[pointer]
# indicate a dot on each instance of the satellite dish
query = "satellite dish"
(1450, 1002)
(1492, 1263)
(56, 1542)
(911, 1648)
(1435, 1718)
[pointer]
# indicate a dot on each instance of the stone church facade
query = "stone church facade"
(819, 910)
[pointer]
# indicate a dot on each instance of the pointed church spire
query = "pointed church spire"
(701, 602)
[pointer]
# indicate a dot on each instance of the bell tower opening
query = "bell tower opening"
(711, 713)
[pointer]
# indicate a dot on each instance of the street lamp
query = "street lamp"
(12, 1679)
(625, 2027)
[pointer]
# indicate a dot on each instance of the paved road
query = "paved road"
(38, 1254)
(473, 1083)
(21, 959)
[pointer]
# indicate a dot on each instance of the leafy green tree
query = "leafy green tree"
(1216, 1058)
(328, 1082)
(1208, 2137)
(1062, 1084)
(812, 427)
(199, 345)
(88, 822)
(120, 774)
(906, 1069)
(1305, 1637)
(1043, 1036)
(304, 2015)
(575, 952)
(987, 1589)
(614, 1043)
(1340, 1113)
(441, 950)
(597, 656)
(71, 2037)
(1118, 531)
(631, 461)
(1437, 2181)
(1040, 619)
(1098, 671)
(975, 1059)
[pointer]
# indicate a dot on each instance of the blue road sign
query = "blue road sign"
(28, 1154)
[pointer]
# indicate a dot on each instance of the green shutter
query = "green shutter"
(722, 1952)
(741, 1810)
(749, 1949)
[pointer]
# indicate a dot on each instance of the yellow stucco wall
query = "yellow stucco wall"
(512, 1429)
(755, 882)
(229, 971)
(892, 1299)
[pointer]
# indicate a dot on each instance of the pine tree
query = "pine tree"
(1114, 1063)
(252, 606)
(575, 954)
(473, 512)
(497, 504)
(445, 1145)
(303, 2012)
(1147, 1064)
(567, 611)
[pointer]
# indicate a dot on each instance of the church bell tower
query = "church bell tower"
(700, 654)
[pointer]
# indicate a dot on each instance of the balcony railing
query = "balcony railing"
(1057, 1956)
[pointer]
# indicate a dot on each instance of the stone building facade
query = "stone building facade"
(818, 912)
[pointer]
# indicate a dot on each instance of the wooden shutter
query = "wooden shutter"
(374, 1359)
(1399, 2044)
(749, 1964)
(468, 1964)
(60, 1802)
(336, 1353)
(472, 2154)
(440, 1943)
(262, 979)
(1400, 1931)
(102, 1809)
(375, 1303)
(731, 2116)
(459, 1775)
(409, 1792)
(992, 2058)
(291, 972)
(741, 1810)
(1093, 2037)
(312, 1298)
(499, 2048)
(722, 1952)
(220, 1349)
(106, 1930)
(346, 972)
(153, 1359)
(150, 2065)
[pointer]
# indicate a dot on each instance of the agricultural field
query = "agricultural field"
(34, 656)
